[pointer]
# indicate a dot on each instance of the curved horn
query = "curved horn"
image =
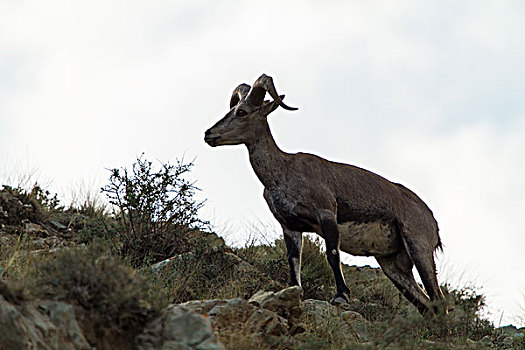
(237, 95)
(260, 87)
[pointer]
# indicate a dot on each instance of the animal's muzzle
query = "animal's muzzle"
(209, 139)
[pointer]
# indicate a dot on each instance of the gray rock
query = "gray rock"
(357, 323)
(286, 303)
(472, 343)
(236, 314)
(165, 264)
(352, 324)
(242, 267)
(485, 340)
(191, 325)
(40, 325)
(179, 328)
(204, 306)
(237, 317)
(46, 243)
(319, 310)
(190, 329)
(263, 323)
(69, 335)
(35, 230)
(57, 225)
(231, 314)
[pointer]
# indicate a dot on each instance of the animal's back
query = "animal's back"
(363, 196)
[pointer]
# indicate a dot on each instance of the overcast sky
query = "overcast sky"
(430, 95)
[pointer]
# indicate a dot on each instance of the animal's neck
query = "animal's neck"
(266, 158)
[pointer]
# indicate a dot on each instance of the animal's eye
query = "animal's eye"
(241, 113)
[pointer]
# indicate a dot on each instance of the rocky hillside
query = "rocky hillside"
(67, 283)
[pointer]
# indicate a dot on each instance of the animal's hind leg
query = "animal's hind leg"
(398, 268)
(423, 257)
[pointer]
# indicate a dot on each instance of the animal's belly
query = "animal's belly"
(372, 238)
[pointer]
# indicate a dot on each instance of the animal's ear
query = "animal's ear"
(270, 106)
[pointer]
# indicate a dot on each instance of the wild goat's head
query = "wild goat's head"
(248, 111)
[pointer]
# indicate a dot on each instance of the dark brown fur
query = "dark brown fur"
(346, 205)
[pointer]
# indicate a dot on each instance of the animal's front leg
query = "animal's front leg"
(294, 245)
(331, 236)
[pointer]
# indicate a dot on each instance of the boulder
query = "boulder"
(357, 324)
(286, 303)
(263, 323)
(40, 325)
(191, 325)
(229, 316)
(179, 328)
(319, 310)
(69, 335)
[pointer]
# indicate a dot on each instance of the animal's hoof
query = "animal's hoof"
(338, 300)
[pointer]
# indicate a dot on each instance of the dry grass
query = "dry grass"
(117, 297)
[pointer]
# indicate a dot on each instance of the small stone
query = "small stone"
(57, 225)
(486, 339)
(35, 230)
(298, 328)
(471, 343)
(429, 342)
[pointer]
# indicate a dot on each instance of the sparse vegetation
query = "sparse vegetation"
(100, 261)
(211, 273)
(271, 260)
(19, 206)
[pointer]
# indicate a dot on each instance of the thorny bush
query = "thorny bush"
(155, 210)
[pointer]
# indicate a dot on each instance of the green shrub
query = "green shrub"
(46, 199)
(18, 206)
(155, 210)
(466, 319)
(112, 297)
(458, 327)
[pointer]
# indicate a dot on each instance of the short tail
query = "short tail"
(439, 245)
